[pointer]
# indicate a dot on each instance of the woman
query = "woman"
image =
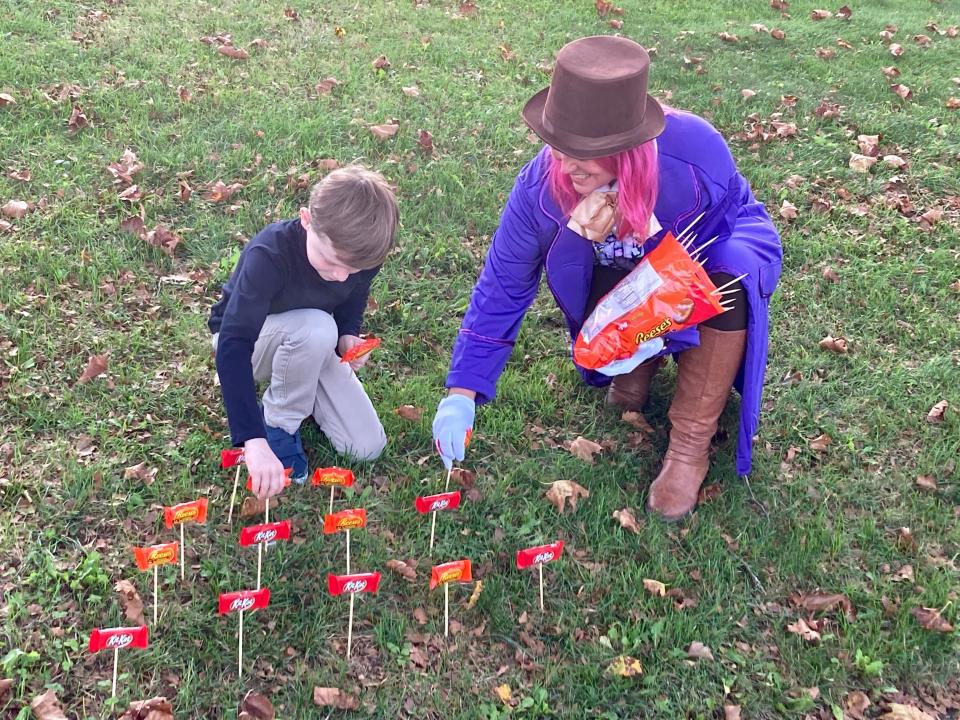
(616, 175)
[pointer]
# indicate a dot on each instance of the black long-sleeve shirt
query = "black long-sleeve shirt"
(272, 276)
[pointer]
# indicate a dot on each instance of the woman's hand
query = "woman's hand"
(454, 419)
(347, 343)
(266, 471)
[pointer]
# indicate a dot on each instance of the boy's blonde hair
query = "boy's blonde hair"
(356, 208)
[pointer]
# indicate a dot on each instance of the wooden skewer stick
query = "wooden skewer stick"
(233, 495)
(690, 226)
(348, 559)
(156, 594)
(688, 242)
(350, 627)
(540, 569)
(695, 253)
(726, 285)
(446, 609)
(182, 553)
(259, 563)
(240, 648)
(433, 518)
(116, 656)
(332, 488)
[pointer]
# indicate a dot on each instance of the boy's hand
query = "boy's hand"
(346, 343)
(266, 471)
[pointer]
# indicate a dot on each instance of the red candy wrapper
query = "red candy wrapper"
(360, 582)
(286, 480)
(149, 557)
(344, 520)
(195, 511)
(231, 457)
(440, 501)
(243, 600)
(667, 291)
(456, 571)
(117, 638)
(266, 532)
(333, 476)
(539, 554)
(358, 351)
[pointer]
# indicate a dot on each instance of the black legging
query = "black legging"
(606, 277)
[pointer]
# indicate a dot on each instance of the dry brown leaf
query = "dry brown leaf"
(869, 144)
(326, 86)
(385, 131)
(709, 493)
(130, 602)
(253, 506)
(845, 12)
(699, 651)
(825, 53)
(625, 666)
(334, 697)
(6, 99)
(5, 685)
(820, 442)
(895, 49)
(381, 63)
(15, 209)
(654, 587)
(584, 449)
(930, 218)
(778, 34)
(855, 705)
(158, 708)
(96, 365)
(141, 472)
(894, 161)
(728, 37)
(259, 43)
(420, 615)
(760, 28)
(402, 569)
(409, 412)
(257, 706)
(615, 23)
(897, 711)
(184, 94)
(185, 191)
(861, 163)
(891, 72)
(837, 345)
(561, 490)
(627, 520)
(820, 15)
(233, 52)
(21, 175)
(504, 693)
(830, 274)
(731, 712)
(904, 574)
(922, 40)
(809, 631)
(425, 142)
(788, 211)
(953, 103)
(747, 93)
(905, 539)
(220, 191)
(930, 619)
(937, 412)
(902, 90)
(844, 44)
(134, 225)
(637, 420)
(77, 120)
(163, 238)
(815, 602)
(47, 707)
(926, 482)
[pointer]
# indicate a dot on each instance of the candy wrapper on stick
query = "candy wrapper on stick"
(151, 558)
(228, 459)
(667, 291)
(194, 511)
(353, 584)
(538, 556)
(459, 571)
(333, 476)
(241, 602)
(115, 639)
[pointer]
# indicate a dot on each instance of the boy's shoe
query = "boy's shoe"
(289, 450)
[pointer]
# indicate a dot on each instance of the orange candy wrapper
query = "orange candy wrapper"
(195, 511)
(344, 520)
(456, 571)
(150, 557)
(333, 476)
(358, 351)
(667, 291)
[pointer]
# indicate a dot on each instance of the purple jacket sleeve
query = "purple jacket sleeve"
(507, 286)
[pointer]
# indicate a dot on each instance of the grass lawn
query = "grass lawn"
(871, 257)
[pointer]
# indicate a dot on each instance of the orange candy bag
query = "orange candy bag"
(667, 291)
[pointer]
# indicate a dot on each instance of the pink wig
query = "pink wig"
(637, 180)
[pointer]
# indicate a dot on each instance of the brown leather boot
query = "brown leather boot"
(704, 379)
(631, 390)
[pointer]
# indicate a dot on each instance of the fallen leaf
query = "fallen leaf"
(837, 345)
(804, 630)
(778, 34)
(728, 37)
(291, 14)
(185, 191)
(699, 651)
(897, 711)
(134, 225)
(258, 43)
(930, 218)
(326, 86)
(654, 587)
(411, 91)
(6, 99)
(926, 482)
(895, 49)
(220, 191)
(504, 693)
(953, 103)
(820, 442)
(96, 365)
(409, 412)
(381, 63)
(253, 506)
(625, 666)
(845, 12)
(615, 23)
(922, 40)
(560, 490)
(584, 449)
(15, 209)
(47, 707)
(861, 163)
(233, 52)
(184, 94)
(158, 708)
(420, 615)
(904, 574)
(77, 120)
(902, 90)
(937, 412)
(815, 602)
(830, 274)
(257, 706)
(5, 685)
(709, 493)
(130, 602)
(463, 477)
(784, 129)
(869, 144)
(788, 210)
(844, 44)
(141, 472)
(894, 161)
(905, 539)
(781, 5)
(468, 8)
(891, 72)
(163, 238)
(385, 131)
(21, 175)
(855, 705)
(747, 93)
(402, 569)
(425, 142)
(930, 619)
(334, 697)
(820, 15)
(825, 53)
(760, 28)
(475, 595)
(731, 712)
(627, 520)
(637, 420)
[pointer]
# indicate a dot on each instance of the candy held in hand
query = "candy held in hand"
(231, 457)
(358, 351)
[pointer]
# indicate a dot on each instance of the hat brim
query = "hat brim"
(592, 148)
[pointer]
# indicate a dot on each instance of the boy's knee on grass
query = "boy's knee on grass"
(367, 450)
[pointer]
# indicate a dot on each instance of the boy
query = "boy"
(293, 305)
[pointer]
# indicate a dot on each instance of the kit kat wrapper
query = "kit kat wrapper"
(356, 583)
(243, 600)
(539, 554)
(117, 638)
(264, 533)
(440, 501)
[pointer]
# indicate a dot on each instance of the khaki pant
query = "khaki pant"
(296, 354)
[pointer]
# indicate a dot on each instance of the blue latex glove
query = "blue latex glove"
(453, 420)
(644, 352)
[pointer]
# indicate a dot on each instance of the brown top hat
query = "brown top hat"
(597, 103)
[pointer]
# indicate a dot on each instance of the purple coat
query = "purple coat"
(697, 174)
